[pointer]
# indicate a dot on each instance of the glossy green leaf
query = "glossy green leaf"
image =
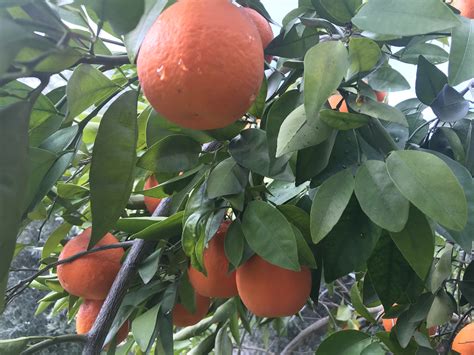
(270, 235)
(143, 327)
(164, 229)
(388, 79)
(223, 345)
(305, 254)
(416, 242)
(54, 239)
(234, 243)
(86, 87)
(346, 342)
(442, 269)
(359, 306)
(385, 260)
(432, 52)
(339, 12)
(364, 54)
(462, 53)
(405, 17)
(294, 43)
(13, 181)
(149, 266)
(298, 217)
(428, 183)
(297, 132)
(227, 178)
(377, 109)
(111, 183)
(349, 244)
(379, 198)
(429, 81)
(329, 203)
(343, 120)
(12, 38)
(441, 310)
(325, 66)
(123, 15)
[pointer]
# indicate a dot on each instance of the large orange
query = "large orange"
(92, 275)
(87, 314)
(184, 318)
(201, 63)
(463, 343)
(263, 27)
(466, 7)
(151, 203)
(268, 290)
(334, 101)
(218, 282)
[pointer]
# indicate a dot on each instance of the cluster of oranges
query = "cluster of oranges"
(201, 63)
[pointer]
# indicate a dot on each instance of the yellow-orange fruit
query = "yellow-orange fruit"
(334, 101)
(87, 314)
(463, 343)
(466, 7)
(92, 275)
(201, 63)
(381, 95)
(184, 318)
(263, 27)
(151, 203)
(268, 290)
(218, 282)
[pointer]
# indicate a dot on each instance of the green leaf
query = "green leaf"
(234, 243)
(325, 66)
(349, 244)
(305, 255)
(294, 43)
(54, 238)
(441, 310)
(165, 229)
(172, 154)
(258, 105)
(296, 132)
(405, 17)
(111, 183)
(388, 79)
(270, 235)
(298, 217)
(379, 198)
(388, 270)
(133, 40)
(461, 55)
(427, 182)
(416, 243)
(432, 52)
(359, 306)
(429, 81)
(329, 203)
(227, 178)
(223, 345)
(143, 327)
(442, 269)
(123, 15)
(149, 266)
(340, 12)
(86, 87)
(343, 120)
(364, 54)
(13, 181)
(12, 39)
(377, 109)
(345, 342)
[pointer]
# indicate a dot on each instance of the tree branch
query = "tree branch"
(69, 338)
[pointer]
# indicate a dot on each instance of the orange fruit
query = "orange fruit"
(463, 343)
(268, 290)
(87, 314)
(334, 101)
(184, 318)
(201, 64)
(151, 203)
(218, 282)
(92, 275)
(381, 95)
(465, 6)
(263, 27)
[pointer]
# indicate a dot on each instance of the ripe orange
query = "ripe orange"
(183, 318)
(151, 203)
(218, 282)
(268, 290)
(201, 63)
(92, 275)
(463, 343)
(466, 7)
(334, 101)
(87, 314)
(381, 95)
(263, 27)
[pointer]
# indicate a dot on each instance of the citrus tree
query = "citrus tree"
(219, 179)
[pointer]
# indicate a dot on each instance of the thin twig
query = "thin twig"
(69, 338)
